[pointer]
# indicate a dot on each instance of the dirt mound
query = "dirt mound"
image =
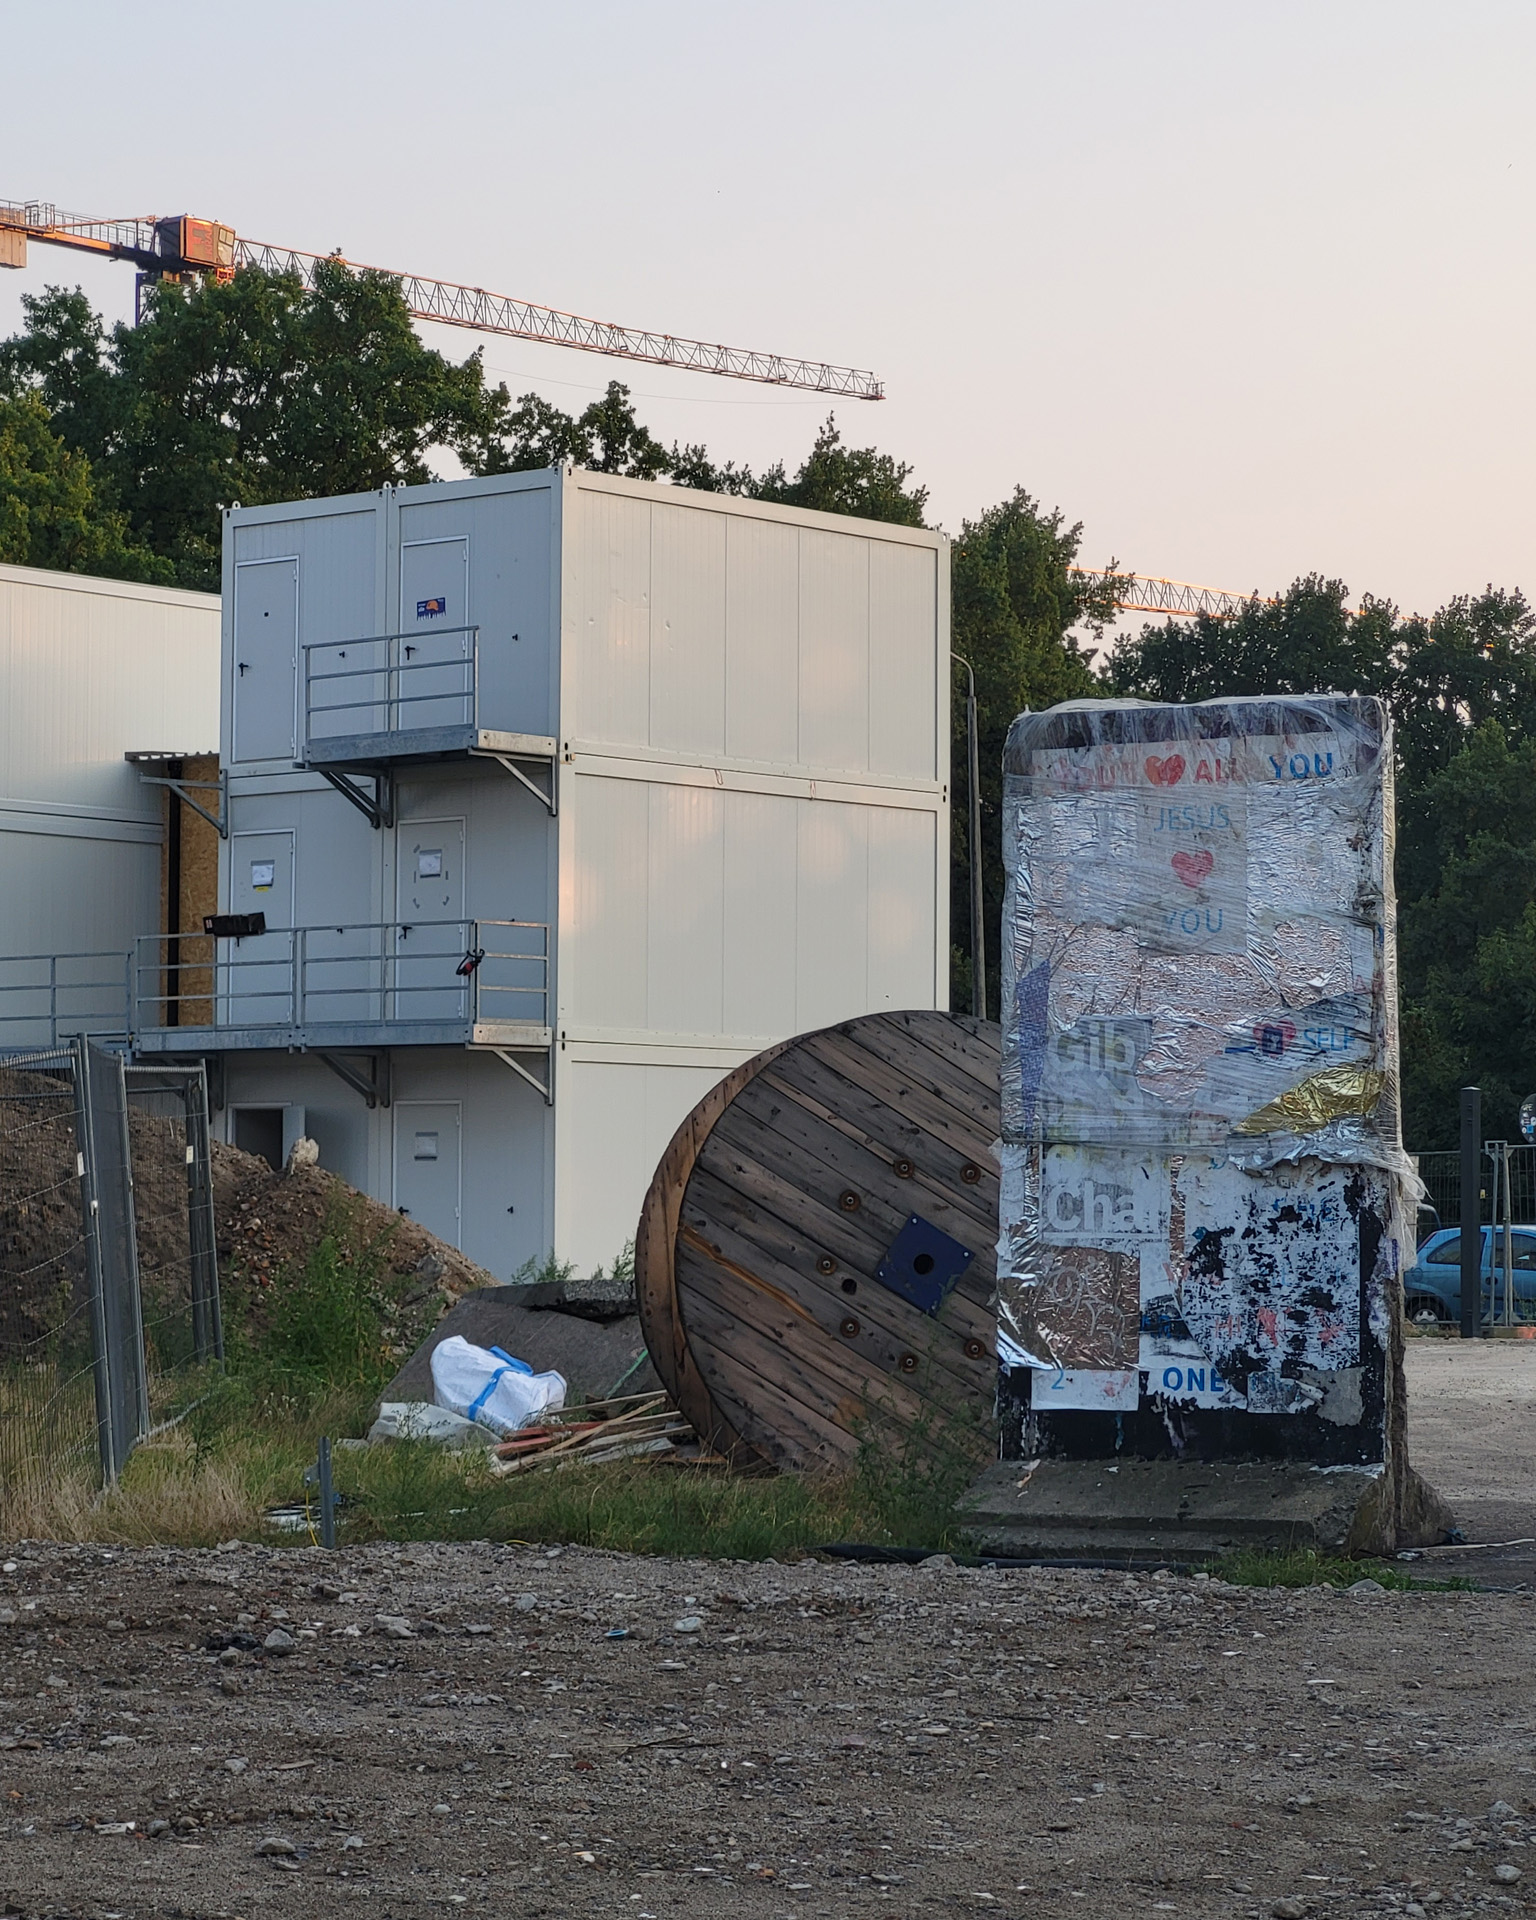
(268, 1222)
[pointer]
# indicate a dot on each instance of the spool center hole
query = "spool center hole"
(923, 1263)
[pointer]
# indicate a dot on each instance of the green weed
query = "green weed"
(1307, 1567)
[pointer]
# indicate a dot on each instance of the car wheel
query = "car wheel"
(1423, 1309)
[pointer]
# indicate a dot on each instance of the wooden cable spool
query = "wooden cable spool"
(780, 1258)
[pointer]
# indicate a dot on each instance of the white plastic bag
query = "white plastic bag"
(491, 1388)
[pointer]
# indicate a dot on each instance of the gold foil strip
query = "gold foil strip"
(1331, 1095)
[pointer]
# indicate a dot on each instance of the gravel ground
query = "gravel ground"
(1472, 1433)
(453, 1729)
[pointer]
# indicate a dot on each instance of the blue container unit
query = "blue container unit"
(1205, 1203)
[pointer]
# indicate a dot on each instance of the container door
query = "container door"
(256, 975)
(435, 683)
(266, 658)
(432, 935)
(427, 1162)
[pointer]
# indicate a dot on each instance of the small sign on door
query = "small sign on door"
(263, 875)
(429, 863)
(426, 1146)
(430, 609)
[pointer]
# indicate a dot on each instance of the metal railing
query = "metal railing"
(46, 998)
(391, 682)
(449, 972)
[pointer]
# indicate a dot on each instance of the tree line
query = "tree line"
(120, 447)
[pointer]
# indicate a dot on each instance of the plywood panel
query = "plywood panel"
(603, 961)
(902, 660)
(687, 630)
(762, 613)
(612, 628)
(902, 858)
(831, 933)
(834, 651)
(761, 914)
(684, 908)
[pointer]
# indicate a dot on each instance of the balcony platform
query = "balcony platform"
(407, 746)
(349, 1036)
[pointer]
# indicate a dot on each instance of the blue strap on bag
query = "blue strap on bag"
(511, 1366)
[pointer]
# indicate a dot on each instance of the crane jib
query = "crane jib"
(167, 247)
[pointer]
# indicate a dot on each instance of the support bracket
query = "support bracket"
(547, 797)
(378, 807)
(373, 1085)
(545, 1089)
(184, 790)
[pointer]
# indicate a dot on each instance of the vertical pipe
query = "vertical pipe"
(327, 1498)
(978, 913)
(177, 771)
(1471, 1212)
(1509, 1245)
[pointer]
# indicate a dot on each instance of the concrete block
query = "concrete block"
(1171, 1509)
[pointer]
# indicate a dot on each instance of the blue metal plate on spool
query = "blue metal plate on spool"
(922, 1263)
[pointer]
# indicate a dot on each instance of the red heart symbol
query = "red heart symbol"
(1166, 773)
(1193, 867)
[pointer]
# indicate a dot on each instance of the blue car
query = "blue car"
(1432, 1285)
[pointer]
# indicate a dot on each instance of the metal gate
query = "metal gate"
(109, 1302)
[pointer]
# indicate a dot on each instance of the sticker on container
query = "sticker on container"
(1103, 1197)
(433, 608)
(1194, 1383)
(263, 875)
(1086, 1389)
(1189, 892)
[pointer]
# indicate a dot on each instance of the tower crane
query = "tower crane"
(176, 247)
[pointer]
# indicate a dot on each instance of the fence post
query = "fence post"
(1509, 1242)
(1471, 1212)
(207, 1321)
(90, 1212)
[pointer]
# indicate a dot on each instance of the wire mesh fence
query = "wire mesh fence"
(109, 1307)
(1441, 1174)
(1507, 1205)
(49, 1337)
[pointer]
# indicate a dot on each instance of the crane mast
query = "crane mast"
(172, 248)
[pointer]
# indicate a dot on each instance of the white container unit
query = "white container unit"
(90, 670)
(561, 795)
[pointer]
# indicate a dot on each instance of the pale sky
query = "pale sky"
(1246, 286)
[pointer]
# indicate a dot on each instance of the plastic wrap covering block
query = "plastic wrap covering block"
(1204, 1198)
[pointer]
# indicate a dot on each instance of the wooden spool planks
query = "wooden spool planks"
(770, 1212)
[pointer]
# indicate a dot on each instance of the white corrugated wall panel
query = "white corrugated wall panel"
(620, 1117)
(902, 585)
(92, 669)
(603, 961)
(687, 630)
(685, 909)
(760, 914)
(834, 651)
(613, 620)
(831, 925)
(901, 910)
(762, 640)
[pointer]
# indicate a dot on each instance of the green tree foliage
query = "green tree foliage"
(1016, 608)
(1462, 688)
(51, 514)
(605, 436)
(256, 390)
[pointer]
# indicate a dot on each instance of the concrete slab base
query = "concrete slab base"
(1179, 1510)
